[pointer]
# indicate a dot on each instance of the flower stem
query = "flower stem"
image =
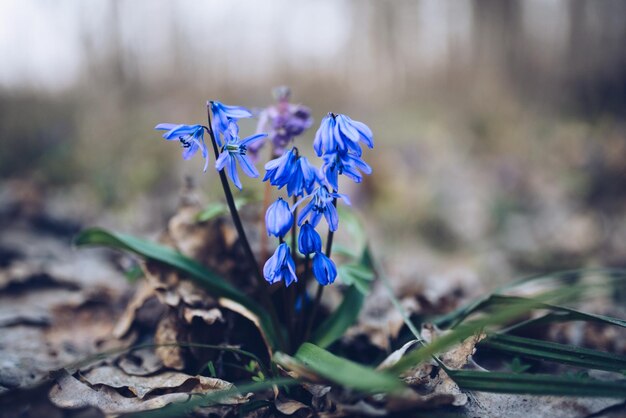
(242, 234)
(320, 288)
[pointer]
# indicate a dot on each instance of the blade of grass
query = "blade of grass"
(560, 353)
(469, 328)
(345, 315)
(342, 371)
(340, 320)
(209, 280)
(450, 320)
(537, 384)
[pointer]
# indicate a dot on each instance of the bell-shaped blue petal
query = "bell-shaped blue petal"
(191, 138)
(278, 171)
(324, 269)
(321, 205)
(303, 178)
(223, 115)
(309, 241)
(340, 133)
(280, 266)
(345, 163)
(278, 218)
(233, 151)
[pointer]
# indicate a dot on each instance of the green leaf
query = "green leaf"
(345, 372)
(517, 366)
(559, 279)
(340, 320)
(216, 285)
(461, 332)
(560, 353)
(537, 384)
(215, 209)
(348, 311)
(357, 275)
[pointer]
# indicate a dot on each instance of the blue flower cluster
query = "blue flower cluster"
(337, 141)
(226, 133)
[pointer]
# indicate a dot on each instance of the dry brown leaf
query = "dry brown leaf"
(496, 405)
(208, 316)
(140, 362)
(70, 392)
(167, 333)
(289, 407)
(394, 357)
(143, 386)
(245, 312)
(142, 294)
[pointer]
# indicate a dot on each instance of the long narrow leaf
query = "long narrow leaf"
(537, 384)
(345, 372)
(346, 314)
(560, 353)
(451, 319)
(461, 332)
(340, 320)
(209, 280)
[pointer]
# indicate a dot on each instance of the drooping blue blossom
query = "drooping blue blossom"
(324, 269)
(293, 171)
(339, 132)
(223, 115)
(303, 178)
(346, 163)
(284, 121)
(321, 204)
(309, 241)
(278, 218)
(191, 138)
(233, 151)
(278, 171)
(280, 266)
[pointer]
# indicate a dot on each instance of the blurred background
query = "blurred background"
(499, 125)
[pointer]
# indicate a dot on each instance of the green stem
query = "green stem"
(242, 234)
(320, 288)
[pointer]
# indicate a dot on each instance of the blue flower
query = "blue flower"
(223, 115)
(339, 132)
(293, 171)
(324, 269)
(191, 138)
(346, 163)
(303, 178)
(278, 171)
(321, 204)
(309, 241)
(234, 150)
(280, 266)
(278, 218)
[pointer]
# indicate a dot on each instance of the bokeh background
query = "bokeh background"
(499, 125)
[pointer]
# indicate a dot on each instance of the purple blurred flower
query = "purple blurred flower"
(223, 115)
(280, 266)
(191, 138)
(283, 121)
(233, 151)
